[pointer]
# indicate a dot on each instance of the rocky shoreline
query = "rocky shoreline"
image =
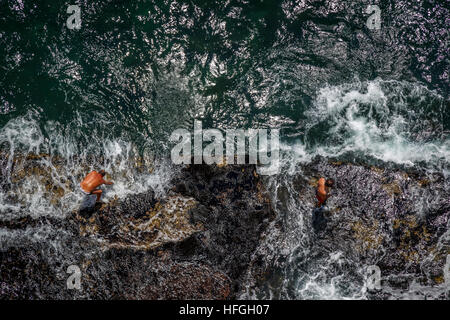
(395, 219)
(195, 243)
(209, 236)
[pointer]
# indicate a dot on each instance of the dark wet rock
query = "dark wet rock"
(235, 212)
(194, 243)
(391, 218)
(209, 237)
(19, 270)
(203, 283)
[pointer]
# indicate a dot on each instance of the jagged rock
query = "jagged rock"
(234, 212)
(209, 235)
(193, 243)
(391, 218)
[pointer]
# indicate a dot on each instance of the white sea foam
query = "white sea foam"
(65, 161)
(391, 121)
(396, 122)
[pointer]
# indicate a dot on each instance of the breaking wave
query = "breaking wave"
(42, 167)
(390, 121)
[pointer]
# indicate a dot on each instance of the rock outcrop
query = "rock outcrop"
(215, 234)
(194, 243)
(392, 218)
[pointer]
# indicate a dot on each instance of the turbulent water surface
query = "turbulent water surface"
(110, 94)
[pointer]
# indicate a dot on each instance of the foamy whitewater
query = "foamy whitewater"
(396, 122)
(388, 123)
(383, 123)
(21, 137)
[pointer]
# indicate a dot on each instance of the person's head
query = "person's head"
(329, 183)
(102, 172)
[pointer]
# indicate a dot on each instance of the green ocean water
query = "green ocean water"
(148, 67)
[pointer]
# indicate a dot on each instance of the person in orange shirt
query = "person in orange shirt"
(92, 181)
(323, 191)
